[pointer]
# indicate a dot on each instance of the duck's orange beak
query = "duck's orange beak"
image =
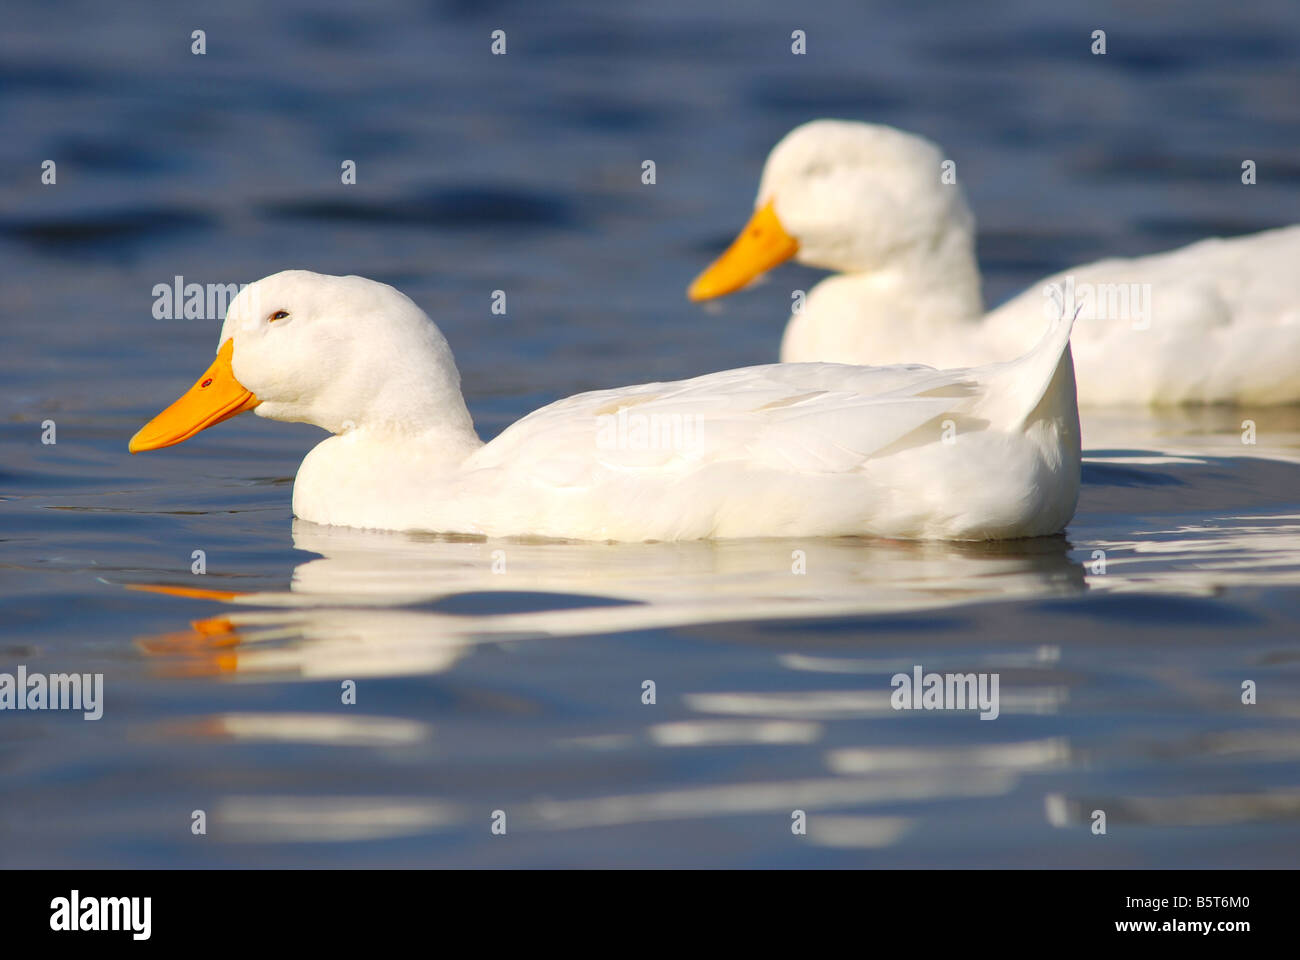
(216, 396)
(761, 246)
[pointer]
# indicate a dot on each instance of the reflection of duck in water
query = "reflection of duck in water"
(805, 450)
(394, 603)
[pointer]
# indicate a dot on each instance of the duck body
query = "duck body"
(1212, 323)
(783, 450)
(1216, 322)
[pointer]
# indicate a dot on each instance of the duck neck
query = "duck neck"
(919, 307)
(417, 416)
(414, 405)
(934, 288)
(435, 445)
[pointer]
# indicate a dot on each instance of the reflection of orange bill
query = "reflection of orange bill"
(194, 593)
(761, 246)
(208, 649)
(211, 666)
(215, 396)
(215, 627)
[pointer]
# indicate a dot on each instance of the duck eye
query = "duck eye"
(278, 315)
(206, 382)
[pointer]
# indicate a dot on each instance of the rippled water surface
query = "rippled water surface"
(509, 675)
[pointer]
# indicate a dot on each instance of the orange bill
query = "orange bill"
(216, 396)
(761, 246)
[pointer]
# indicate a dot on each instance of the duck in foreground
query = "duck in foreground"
(772, 451)
(1215, 322)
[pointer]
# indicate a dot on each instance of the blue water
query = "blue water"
(522, 691)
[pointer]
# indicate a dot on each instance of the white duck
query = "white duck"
(1215, 322)
(779, 450)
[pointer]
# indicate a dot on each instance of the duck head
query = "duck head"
(843, 196)
(338, 352)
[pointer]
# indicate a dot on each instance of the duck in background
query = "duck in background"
(1214, 322)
